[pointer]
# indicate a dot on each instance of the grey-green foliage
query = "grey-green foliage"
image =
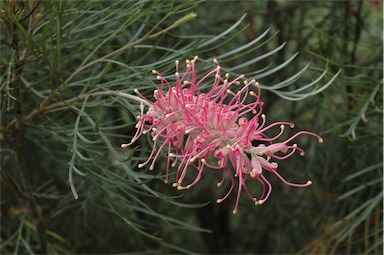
(353, 111)
(68, 72)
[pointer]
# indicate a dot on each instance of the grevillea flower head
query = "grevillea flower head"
(221, 129)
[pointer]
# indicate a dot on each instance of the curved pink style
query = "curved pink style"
(212, 130)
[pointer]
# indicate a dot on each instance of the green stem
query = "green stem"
(21, 127)
(130, 45)
(83, 66)
(115, 93)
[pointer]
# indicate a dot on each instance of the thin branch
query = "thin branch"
(40, 108)
(130, 45)
(115, 93)
(21, 127)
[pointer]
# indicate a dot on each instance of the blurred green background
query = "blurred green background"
(63, 65)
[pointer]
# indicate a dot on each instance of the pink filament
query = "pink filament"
(200, 127)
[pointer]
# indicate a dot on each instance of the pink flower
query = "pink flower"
(212, 131)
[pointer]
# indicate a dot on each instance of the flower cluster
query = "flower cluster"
(212, 130)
